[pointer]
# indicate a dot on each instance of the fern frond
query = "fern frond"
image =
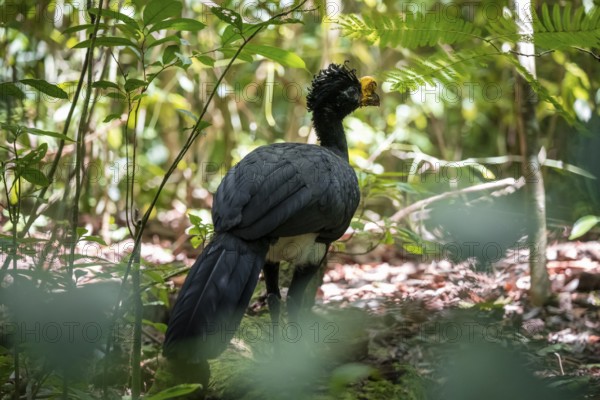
(556, 28)
(408, 30)
(446, 69)
(565, 28)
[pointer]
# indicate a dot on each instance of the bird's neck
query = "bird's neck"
(330, 131)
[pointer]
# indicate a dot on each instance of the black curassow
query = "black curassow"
(281, 199)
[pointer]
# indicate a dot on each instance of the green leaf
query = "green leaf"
(46, 88)
(409, 30)
(138, 97)
(229, 16)
(132, 84)
(195, 231)
(175, 391)
(129, 31)
(93, 238)
(39, 132)
(110, 117)
(105, 85)
(203, 125)
(583, 225)
(556, 17)
(10, 89)
(107, 13)
(553, 29)
(81, 231)
(206, 60)
(34, 176)
(14, 129)
(195, 241)
(35, 155)
(107, 41)
(154, 276)
(159, 10)
(447, 69)
(230, 35)
(229, 52)
(190, 115)
(195, 219)
(8, 239)
(283, 57)
(169, 53)
(115, 95)
(170, 38)
(185, 60)
(179, 24)
(388, 238)
(413, 248)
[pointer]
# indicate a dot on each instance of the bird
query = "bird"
(281, 202)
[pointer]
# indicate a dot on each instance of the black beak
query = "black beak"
(371, 100)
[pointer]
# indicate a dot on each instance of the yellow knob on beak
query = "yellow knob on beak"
(368, 87)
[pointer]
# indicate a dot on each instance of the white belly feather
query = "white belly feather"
(298, 250)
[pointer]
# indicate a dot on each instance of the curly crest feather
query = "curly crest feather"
(329, 82)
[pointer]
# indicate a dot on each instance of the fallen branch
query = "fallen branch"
(403, 213)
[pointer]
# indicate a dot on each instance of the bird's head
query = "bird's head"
(337, 91)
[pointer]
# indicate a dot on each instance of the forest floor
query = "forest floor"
(385, 326)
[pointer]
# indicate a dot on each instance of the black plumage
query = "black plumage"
(280, 191)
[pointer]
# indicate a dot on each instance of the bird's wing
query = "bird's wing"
(284, 190)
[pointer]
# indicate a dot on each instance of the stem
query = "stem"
(80, 153)
(128, 183)
(136, 351)
(13, 252)
(16, 211)
(136, 356)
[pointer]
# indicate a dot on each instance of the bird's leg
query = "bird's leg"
(306, 266)
(302, 276)
(271, 271)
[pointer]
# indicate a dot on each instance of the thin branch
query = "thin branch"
(136, 351)
(543, 53)
(591, 53)
(80, 153)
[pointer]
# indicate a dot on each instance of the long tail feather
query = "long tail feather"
(213, 298)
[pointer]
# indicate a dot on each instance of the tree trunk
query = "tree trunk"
(527, 123)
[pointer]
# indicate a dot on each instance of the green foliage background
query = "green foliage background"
(447, 82)
(466, 111)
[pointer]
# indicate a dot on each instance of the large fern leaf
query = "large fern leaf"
(564, 29)
(556, 28)
(446, 69)
(408, 30)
